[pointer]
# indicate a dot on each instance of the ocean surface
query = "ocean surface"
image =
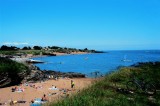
(97, 62)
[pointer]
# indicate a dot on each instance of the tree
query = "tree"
(55, 47)
(85, 49)
(65, 48)
(26, 48)
(29, 48)
(37, 47)
(4, 47)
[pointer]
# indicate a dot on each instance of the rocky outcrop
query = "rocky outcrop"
(33, 74)
(42, 75)
(7, 79)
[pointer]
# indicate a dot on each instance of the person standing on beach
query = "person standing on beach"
(72, 84)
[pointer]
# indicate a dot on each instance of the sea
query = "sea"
(99, 63)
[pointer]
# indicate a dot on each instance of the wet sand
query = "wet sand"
(41, 88)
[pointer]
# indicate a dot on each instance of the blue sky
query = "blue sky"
(95, 24)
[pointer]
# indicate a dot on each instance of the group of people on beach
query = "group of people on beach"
(45, 98)
(16, 89)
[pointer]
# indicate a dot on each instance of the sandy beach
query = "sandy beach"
(37, 90)
(72, 53)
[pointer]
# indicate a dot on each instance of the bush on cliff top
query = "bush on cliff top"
(12, 70)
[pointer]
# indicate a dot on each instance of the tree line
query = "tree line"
(56, 48)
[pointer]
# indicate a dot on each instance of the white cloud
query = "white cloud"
(15, 43)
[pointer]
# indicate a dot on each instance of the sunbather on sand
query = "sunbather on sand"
(32, 101)
(3, 104)
(13, 102)
(16, 89)
(44, 98)
(53, 88)
(21, 89)
(38, 87)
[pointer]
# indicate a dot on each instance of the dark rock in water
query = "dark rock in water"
(74, 75)
(100, 52)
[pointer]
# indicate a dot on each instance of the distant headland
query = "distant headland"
(28, 51)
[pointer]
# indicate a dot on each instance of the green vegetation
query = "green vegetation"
(37, 50)
(11, 71)
(106, 92)
(4, 47)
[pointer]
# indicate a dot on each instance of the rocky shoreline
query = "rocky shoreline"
(41, 75)
(34, 74)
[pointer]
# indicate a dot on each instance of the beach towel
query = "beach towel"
(35, 104)
(53, 88)
(18, 91)
(38, 102)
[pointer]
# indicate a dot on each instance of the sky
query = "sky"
(93, 24)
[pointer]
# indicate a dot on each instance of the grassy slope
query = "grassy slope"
(105, 93)
(14, 52)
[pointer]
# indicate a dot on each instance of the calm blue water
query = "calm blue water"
(103, 62)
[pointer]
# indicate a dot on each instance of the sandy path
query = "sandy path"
(31, 93)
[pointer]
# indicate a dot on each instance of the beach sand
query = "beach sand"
(72, 53)
(30, 93)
